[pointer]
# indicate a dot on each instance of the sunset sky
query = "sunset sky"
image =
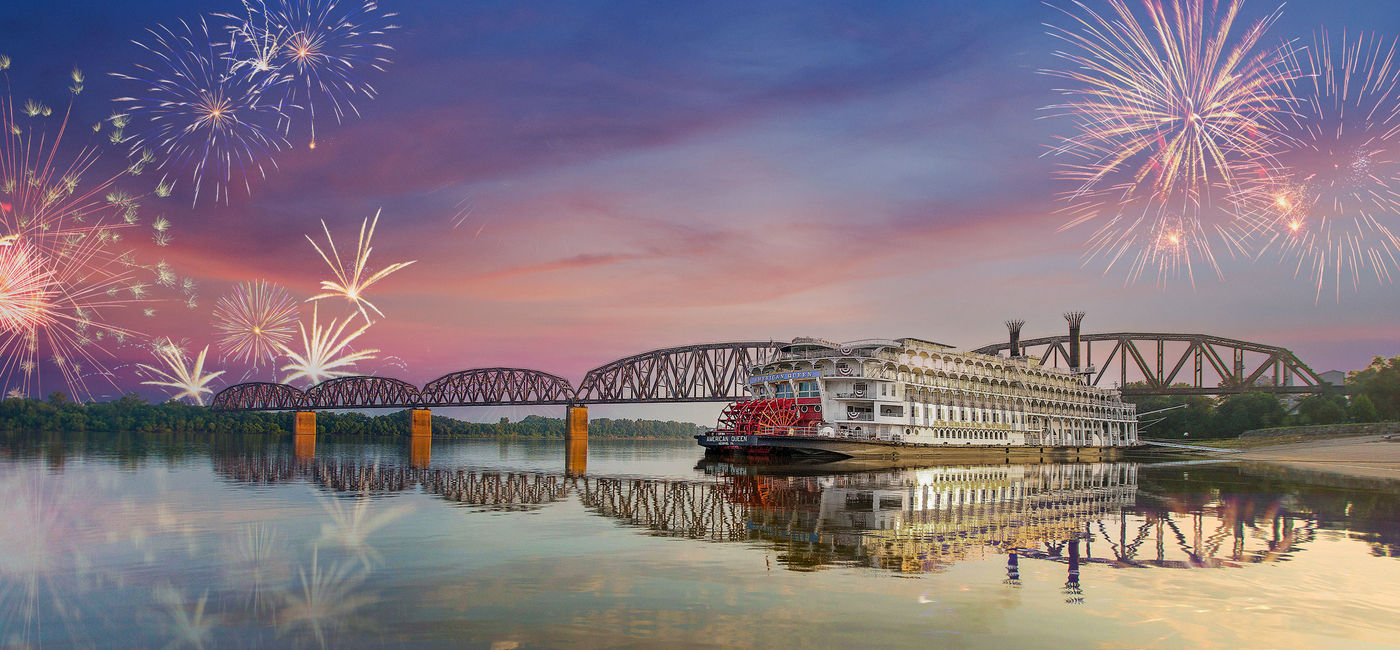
(635, 175)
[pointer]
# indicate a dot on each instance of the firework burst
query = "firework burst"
(65, 270)
(190, 381)
(1169, 116)
(312, 53)
(352, 278)
(326, 351)
(255, 321)
(1329, 215)
(193, 116)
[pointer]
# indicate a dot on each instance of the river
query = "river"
(241, 541)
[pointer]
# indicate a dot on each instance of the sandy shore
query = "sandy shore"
(1366, 456)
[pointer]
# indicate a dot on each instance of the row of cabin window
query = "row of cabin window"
(954, 414)
(975, 435)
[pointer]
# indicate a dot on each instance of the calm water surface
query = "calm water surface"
(213, 541)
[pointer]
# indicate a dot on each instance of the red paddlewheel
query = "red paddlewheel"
(758, 416)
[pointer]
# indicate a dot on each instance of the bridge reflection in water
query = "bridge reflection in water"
(910, 520)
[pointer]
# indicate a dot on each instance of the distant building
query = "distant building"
(1335, 377)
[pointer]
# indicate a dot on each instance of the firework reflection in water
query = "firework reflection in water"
(324, 600)
(46, 522)
(257, 569)
(350, 527)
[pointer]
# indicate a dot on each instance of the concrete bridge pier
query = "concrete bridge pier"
(304, 434)
(576, 440)
(420, 437)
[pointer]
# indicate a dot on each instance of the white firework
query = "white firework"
(191, 382)
(325, 351)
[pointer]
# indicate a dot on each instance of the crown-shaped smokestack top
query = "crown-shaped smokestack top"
(1074, 318)
(1014, 327)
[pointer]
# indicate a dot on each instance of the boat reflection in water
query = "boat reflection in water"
(906, 519)
(917, 520)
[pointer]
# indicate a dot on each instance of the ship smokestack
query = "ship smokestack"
(1074, 318)
(1014, 326)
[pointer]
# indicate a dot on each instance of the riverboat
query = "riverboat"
(909, 397)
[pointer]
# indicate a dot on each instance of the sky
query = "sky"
(582, 181)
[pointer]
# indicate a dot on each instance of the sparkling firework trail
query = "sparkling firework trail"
(1169, 117)
(352, 279)
(195, 117)
(1330, 214)
(325, 351)
(255, 321)
(311, 53)
(26, 290)
(191, 382)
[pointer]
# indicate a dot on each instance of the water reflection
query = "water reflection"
(190, 541)
(324, 601)
(350, 526)
(911, 520)
(254, 563)
(187, 624)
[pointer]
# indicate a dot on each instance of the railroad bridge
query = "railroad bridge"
(1139, 363)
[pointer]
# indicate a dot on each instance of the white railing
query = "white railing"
(836, 354)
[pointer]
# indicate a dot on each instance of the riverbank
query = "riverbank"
(1368, 456)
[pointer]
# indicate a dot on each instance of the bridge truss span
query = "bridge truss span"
(713, 372)
(259, 396)
(362, 392)
(1157, 363)
(497, 386)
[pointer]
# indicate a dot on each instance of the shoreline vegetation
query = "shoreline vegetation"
(131, 414)
(1368, 395)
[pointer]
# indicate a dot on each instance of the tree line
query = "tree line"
(1374, 397)
(133, 414)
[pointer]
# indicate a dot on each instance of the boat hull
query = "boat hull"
(797, 445)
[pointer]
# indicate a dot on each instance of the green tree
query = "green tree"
(1194, 419)
(1363, 409)
(1239, 413)
(1323, 408)
(1379, 382)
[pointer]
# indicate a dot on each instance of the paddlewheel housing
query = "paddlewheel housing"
(761, 416)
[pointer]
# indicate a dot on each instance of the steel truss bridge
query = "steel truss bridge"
(1154, 363)
(711, 372)
(1198, 364)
